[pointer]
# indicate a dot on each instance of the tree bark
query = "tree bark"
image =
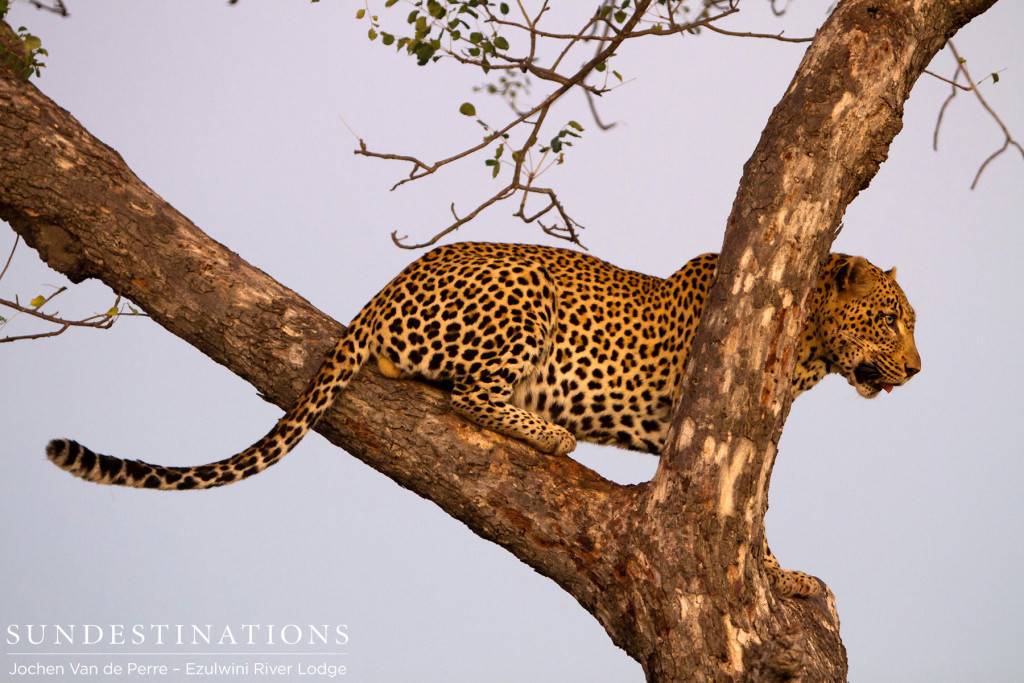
(671, 568)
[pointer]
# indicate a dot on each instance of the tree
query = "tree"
(537, 527)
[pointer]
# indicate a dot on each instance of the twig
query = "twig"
(421, 168)
(58, 7)
(10, 256)
(767, 36)
(504, 193)
(971, 86)
(617, 26)
(100, 320)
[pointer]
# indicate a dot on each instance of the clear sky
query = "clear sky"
(909, 505)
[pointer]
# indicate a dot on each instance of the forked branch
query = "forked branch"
(608, 27)
(34, 309)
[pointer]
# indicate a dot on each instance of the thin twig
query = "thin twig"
(99, 321)
(747, 34)
(658, 22)
(10, 256)
(421, 168)
(58, 7)
(971, 86)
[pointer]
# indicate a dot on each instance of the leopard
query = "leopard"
(551, 346)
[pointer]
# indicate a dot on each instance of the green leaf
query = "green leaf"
(556, 144)
(601, 67)
(112, 311)
(38, 301)
(476, 37)
(467, 109)
(422, 28)
(500, 43)
(620, 17)
(389, 3)
(360, 13)
(995, 77)
(387, 38)
(423, 52)
(372, 34)
(503, 8)
(576, 125)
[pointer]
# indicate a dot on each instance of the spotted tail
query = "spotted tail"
(334, 374)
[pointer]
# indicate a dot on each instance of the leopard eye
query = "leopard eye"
(890, 319)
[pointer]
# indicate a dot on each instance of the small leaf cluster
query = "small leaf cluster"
(27, 63)
(490, 135)
(509, 87)
(437, 27)
(616, 15)
(570, 130)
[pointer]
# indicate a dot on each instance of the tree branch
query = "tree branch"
(961, 68)
(74, 200)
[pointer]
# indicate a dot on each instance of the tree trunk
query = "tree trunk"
(671, 568)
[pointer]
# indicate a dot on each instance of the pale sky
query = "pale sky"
(909, 506)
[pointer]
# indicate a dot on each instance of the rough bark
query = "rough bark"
(670, 568)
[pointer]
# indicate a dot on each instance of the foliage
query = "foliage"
(507, 43)
(24, 61)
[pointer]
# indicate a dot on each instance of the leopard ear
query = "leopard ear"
(891, 272)
(852, 272)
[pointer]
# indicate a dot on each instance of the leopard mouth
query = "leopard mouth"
(867, 375)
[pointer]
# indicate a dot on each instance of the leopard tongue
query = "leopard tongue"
(887, 387)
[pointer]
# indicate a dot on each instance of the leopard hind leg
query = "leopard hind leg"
(486, 401)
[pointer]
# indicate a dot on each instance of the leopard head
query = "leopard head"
(866, 326)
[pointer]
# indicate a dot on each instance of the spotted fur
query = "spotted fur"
(550, 346)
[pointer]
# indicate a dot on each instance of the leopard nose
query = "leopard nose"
(912, 364)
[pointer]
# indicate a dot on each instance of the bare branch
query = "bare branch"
(10, 256)
(947, 80)
(503, 193)
(590, 98)
(57, 7)
(971, 86)
(100, 321)
(769, 36)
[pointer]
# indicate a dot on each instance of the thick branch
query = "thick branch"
(74, 200)
(823, 143)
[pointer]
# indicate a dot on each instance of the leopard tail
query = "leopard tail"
(334, 374)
